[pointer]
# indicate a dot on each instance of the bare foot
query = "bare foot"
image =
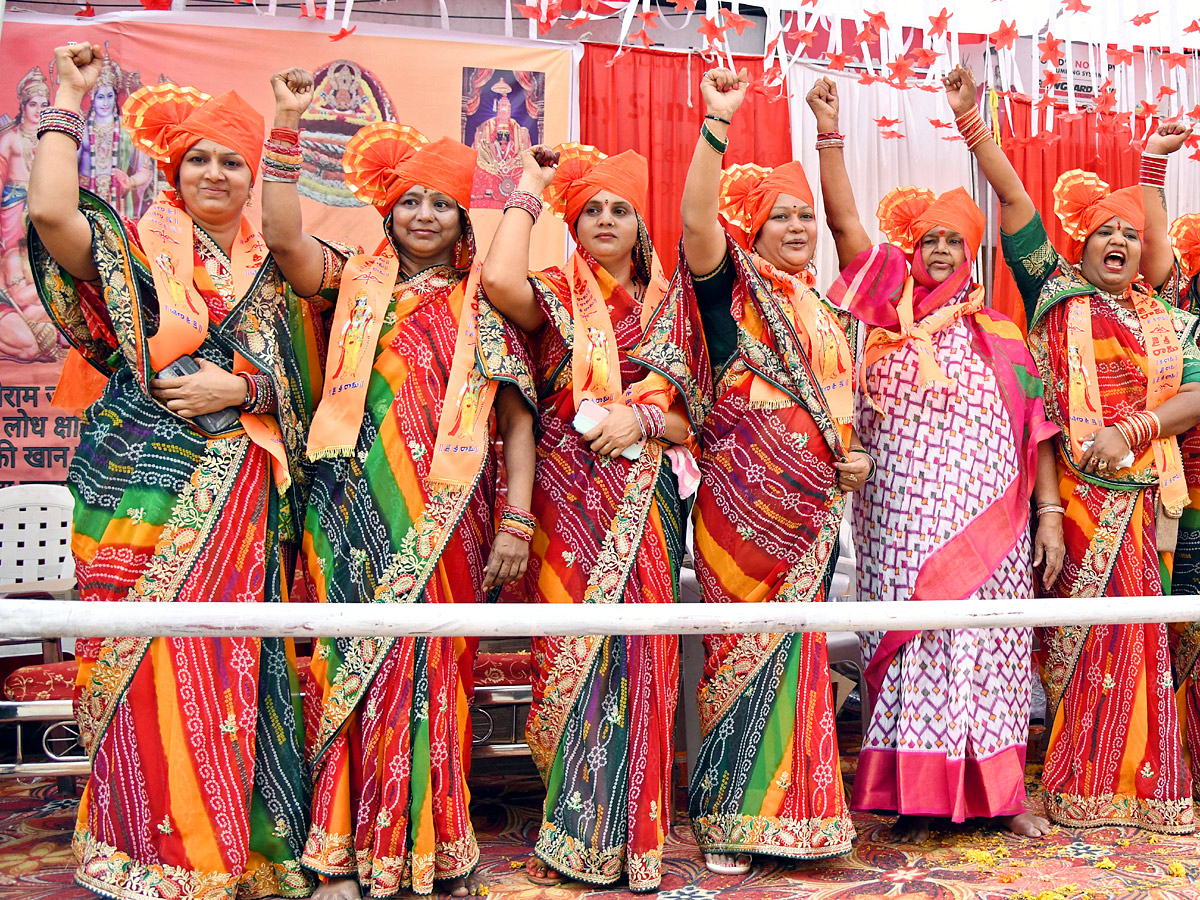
(337, 889)
(727, 863)
(473, 885)
(1026, 824)
(911, 830)
(540, 873)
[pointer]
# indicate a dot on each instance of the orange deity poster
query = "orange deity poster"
(497, 97)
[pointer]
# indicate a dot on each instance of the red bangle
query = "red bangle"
(1154, 170)
(251, 390)
(972, 128)
(285, 135)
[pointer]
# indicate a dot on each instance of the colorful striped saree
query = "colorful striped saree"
(767, 777)
(198, 787)
(609, 531)
(1184, 293)
(393, 748)
(1115, 754)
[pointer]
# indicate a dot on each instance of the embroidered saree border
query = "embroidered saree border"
(184, 536)
(403, 581)
(606, 584)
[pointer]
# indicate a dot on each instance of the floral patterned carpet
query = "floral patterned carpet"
(958, 862)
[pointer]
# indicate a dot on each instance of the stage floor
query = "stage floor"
(959, 862)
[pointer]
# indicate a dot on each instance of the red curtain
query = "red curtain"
(1098, 143)
(639, 101)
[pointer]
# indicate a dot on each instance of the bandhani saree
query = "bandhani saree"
(199, 786)
(393, 748)
(946, 518)
(1185, 572)
(767, 777)
(609, 531)
(1115, 753)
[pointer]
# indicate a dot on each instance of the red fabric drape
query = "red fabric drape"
(1097, 143)
(639, 101)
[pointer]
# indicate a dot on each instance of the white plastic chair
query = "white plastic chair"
(36, 561)
(35, 548)
(845, 575)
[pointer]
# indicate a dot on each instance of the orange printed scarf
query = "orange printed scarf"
(167, 235)
(595, 363)
(363, 297)
(365, 291)
(463, 435)
(828, 351)
(882, 341)
(1164, 360)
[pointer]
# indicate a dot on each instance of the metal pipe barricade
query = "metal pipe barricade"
(35, 619)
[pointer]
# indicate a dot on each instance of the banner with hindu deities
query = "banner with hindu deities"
(498, 96)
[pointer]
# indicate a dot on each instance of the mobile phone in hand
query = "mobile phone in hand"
(589, 415)
(212, 423)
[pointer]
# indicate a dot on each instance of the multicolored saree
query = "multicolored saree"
(1115, 753)
(199, 786)
(393, 748)
(1184, 293)
(609, 531)
(945, 518)
(767, 777)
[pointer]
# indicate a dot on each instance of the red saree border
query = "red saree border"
(958, 789)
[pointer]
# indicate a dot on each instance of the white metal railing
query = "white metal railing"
(36, 619)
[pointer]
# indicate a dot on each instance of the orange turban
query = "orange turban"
(385, 159)
(749, 192)
(1185, 238)
(1083, 203)
(165, 120)
(907, 214)
(584, 171)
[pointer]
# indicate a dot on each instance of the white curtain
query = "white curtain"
(877, 164)
(922, 158)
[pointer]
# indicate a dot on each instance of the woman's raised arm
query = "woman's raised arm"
(841, 212)
(703, 236)
(1016, 206)
(298, 255)
(53, 201)
(505, 275)
(1158, 257)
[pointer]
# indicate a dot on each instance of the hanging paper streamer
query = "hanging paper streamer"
(1165, 32)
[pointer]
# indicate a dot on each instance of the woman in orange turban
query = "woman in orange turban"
(1183, 288)
(1122, 379)
(622, 381)
(951, 410)
(422, 376)
(188, 488)
(779, 458)
(1185, 241)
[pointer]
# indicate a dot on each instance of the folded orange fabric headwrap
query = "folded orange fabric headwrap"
(749, 192)
(166, 120)
(907, 214)
(385, 159)
(1083, 202)
(584, 171)
(1185, 238)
